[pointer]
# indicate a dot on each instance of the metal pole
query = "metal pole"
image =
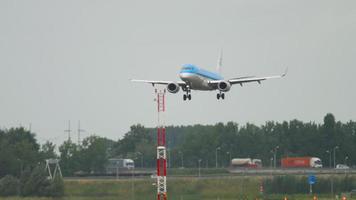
(332, 186)
(334, 158)
(216, 157)
(228, 163)
(133, 185)
(181, 159)
(336, 147)
(169, 157)
(346, 160)
(275, 156)
(142, 160)
(199, 167)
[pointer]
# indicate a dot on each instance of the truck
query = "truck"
(301, 162)
(246, 163)
(115, 164)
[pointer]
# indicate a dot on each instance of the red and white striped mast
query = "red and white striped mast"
(161, 148)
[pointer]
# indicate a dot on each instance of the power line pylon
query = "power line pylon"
(68, 131)
(79, 131)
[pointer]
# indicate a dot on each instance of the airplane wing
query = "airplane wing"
(248, 79)
(180, 83)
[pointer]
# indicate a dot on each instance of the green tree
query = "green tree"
(69, 157)
(48, 150)
(94, 153)
(18, 149)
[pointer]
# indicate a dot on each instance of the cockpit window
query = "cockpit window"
(188, 67)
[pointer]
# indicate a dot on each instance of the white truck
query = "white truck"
(115, 164)
(246, 162)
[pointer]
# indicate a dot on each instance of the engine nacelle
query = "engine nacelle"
(224, 86)
(173, 87)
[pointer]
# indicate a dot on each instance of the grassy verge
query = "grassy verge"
(227, 188)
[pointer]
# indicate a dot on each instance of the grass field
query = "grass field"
(178, 189)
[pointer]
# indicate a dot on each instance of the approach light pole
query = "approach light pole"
(216, 157)
(336, 147)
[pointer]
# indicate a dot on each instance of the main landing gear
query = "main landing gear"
(220, 95)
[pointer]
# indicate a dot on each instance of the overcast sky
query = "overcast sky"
(72, 60)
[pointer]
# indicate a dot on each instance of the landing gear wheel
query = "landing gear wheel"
(184, 97)
(218, 96)
(223, 95)
(189, 96)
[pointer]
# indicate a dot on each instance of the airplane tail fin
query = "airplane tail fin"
(219, 63)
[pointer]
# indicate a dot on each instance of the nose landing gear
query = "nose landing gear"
(220, 95)
(187, 95)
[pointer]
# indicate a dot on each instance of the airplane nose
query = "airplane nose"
(184, 75)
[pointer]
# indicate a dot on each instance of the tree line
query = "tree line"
(186, 145)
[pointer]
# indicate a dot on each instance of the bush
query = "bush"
(37, 183)
(9, 186)
(57, 187)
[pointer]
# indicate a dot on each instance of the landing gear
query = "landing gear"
(222, 95)
(187, 95)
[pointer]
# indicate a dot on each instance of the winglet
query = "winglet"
(219, 63)
(285, 72)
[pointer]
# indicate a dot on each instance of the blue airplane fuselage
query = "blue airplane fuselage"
(197, 78)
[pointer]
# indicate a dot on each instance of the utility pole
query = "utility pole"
(79, 131)
(68, 131)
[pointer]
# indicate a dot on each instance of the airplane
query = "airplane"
(195, 78)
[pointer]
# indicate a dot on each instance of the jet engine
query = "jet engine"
(173, 87)
(224, 86)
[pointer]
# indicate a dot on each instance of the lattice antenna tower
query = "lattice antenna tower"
(161, 147)
(79, 131)
(68, 131)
